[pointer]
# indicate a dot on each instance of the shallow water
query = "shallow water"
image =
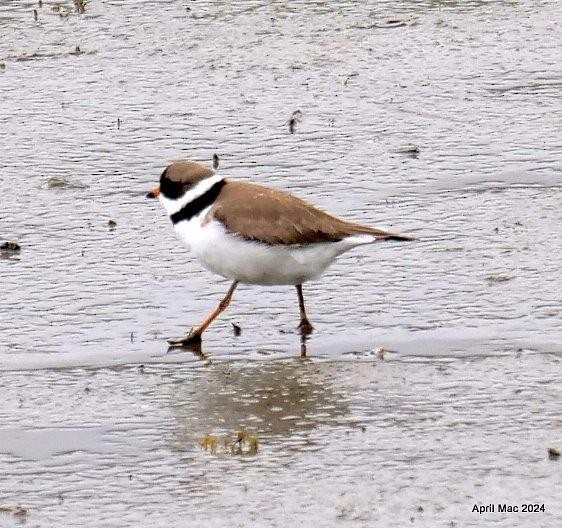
(462, 404)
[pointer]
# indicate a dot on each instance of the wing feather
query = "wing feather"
(272, 216)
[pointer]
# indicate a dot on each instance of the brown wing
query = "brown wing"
(276, 217)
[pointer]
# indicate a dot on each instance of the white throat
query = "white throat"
(173, 206)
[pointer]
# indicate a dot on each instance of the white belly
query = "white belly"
(235, 258)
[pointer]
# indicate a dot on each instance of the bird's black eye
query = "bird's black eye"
(172, 189)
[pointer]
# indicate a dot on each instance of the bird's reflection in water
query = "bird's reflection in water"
(277, 398)
(304, 338)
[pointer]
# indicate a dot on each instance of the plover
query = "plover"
(253, 234)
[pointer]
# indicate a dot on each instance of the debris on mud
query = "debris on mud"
(10, 247)
(392, 24)
(384, 24)
(244, 444)
(244, 438)
(10, 250)
(58, 182)
(237, 329)
(77, 51)
(553, 453)
(17, 511)
(54, 55)
(211, 443)
(497, 279)
(215, 161)
(80, 6)
(112, 224)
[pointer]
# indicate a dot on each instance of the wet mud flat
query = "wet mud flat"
(348, 441)
(432, 381)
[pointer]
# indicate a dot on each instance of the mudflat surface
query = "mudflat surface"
(101, 426)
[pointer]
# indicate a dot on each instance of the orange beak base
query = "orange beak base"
(154, 193)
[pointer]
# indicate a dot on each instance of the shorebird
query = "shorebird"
(253, 234)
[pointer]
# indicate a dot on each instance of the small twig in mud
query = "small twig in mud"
(215, 161)
(553, 453)
(35, 15)
(410, 150)
(293, 120)
(497, 279)
(387, 24)
(38, 55)
(237, 329)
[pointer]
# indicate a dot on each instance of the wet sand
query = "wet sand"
(440, 119)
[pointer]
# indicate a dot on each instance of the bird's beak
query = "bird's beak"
(154, 193)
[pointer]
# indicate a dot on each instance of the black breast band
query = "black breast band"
(194, 207)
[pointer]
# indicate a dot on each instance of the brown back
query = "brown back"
(276, 217)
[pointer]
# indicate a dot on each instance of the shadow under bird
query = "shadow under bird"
(253, 234)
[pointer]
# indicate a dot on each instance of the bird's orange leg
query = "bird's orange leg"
(304, 326)
(194, 335)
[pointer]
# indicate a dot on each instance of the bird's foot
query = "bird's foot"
(305, 327)
(193, 338)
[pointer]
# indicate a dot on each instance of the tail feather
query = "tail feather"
(397, 236)
(358, 229)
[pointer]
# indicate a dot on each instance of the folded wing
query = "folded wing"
(271, 216)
